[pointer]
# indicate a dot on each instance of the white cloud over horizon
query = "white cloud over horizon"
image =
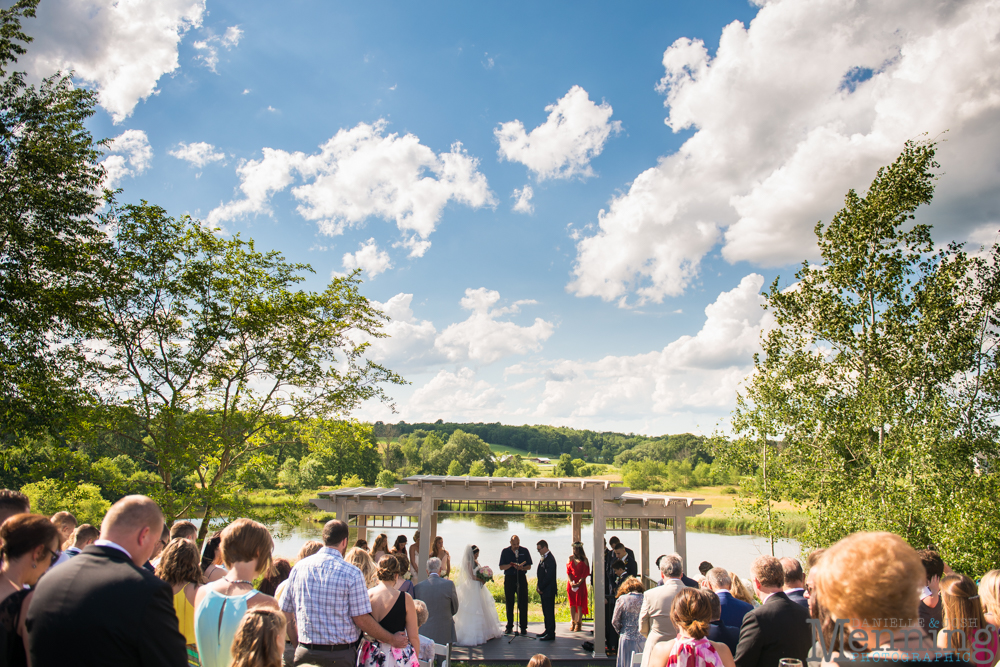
(791, 112)
(198, 153)
(361, 173)
(129, 154)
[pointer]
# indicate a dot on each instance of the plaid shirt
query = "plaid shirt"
(325, 592)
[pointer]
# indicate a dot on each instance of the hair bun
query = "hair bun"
(388, 568)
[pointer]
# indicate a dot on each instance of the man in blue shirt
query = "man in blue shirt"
(733, 609)
(515, 561)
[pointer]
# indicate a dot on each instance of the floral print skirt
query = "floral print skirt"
(380, 654)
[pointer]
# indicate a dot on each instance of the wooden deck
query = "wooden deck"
(566, 650)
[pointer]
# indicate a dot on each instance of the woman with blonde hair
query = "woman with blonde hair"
(577, 571)
(395, 611)
(691, 613)
(626, 620)
(964, 628)
(740, 590)
(989, 594)
(180, 566)
(220, 606)
(437, 551)
(360, 559)
(260, 639)
(380, 548)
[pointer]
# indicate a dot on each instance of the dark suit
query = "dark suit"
(546, 574)
(717, 632)
(798, 597)
(777, 629)
(515, 586)
(100, 610)
(733, 609)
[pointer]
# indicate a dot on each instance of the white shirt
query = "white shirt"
(109, 543)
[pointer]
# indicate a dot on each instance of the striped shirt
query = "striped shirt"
(325, 592)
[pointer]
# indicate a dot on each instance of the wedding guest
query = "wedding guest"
(704, 567)
(394, 611)
(812, 562)
(733, 609)
(180, 567)
(655, 619)
(403, 584)
(220, 605)
(211, 558)
(989, 592)
(105, 603)
(577, 571)
(795, 582)
(426, 643)
(719, 631)
(184, 530)
(438, 551)
(327, 606)
(691, 613)
(930, 599)
(626, 621)
(440, 595)
(65, 523)
(30, 544)
(539, 660)
(11, 503)
(414, 553)
(260, 639)
(964, 628)
(83, 537)
(399, 546)
(360, 559)
(161, 544)
(361, 544)
(777, 629)
(381, 547)
(628, 558)
(277, 573)
(308, 549)
(740, 590)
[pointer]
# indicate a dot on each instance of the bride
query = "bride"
(477, 621)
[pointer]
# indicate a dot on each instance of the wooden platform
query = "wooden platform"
(566, 650)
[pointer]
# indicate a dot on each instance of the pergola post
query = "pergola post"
(644, 548)
(363, 527)
(598, 571)
(577, 521)
(425, 524)
(680, 534)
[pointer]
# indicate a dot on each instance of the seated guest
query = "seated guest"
(441, 596)
(394, 611)
(426, 643)
(83, 537)
(795, 582)
(989, 592)
(539, 660)
(691, 614)
(11, 503)
(211, 558)
(104, 602)
(718, 631)
(965, 629)
(219, 606)
(930, 599)
(184, 530)
(260, 639)
(277, 573)
(180, 567)
(30, 542)
(733, 609)
(402, 584)
(777, 629)
(626, 620)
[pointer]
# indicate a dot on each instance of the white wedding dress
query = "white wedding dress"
(477, 621)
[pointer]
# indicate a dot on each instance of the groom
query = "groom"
(547, 590)
(515, 561)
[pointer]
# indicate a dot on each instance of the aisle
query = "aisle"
(566, 649)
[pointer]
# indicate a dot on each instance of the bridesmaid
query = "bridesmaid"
(577, 570)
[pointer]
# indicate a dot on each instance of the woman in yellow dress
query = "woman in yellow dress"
(180, 566)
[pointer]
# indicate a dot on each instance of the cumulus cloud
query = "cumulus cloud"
(120, 48)
(360, 173)
(368, 258)
(128, 155)
(791, 112)
(523, 197)
(457, 393)
(562, 146)
(198, 153)
(209, 47)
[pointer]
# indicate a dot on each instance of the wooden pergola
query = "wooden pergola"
(610, 505)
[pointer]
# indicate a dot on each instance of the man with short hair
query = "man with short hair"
(11, 503)
(184, 530)
(654, 615)
(515, 561)
(327, 607)
(795, 582)
(733, 609)
(65, 523)
(626, 556)
(546, 585)
(778, 628)
(930, 607)
(83, 537)
(717, 630)
(441, 599)
(105, 601)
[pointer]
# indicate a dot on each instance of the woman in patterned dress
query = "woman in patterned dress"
(577, 571)
(691, 613)
(626, 620)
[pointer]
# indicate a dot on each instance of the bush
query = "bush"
(84, 501)
(288, 476)
(478, 469)
(351, 481)
(455, 468)
(386, 479)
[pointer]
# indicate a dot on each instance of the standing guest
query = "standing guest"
(83, 537)
(65, 523)
(426, 643)
(180, 567)
(546, 586)
(704, 567)
(211, 558)
(719, 631)
(308, 549)
(812, 561)
(539, 660)
(161, 544)
(360, 559)
(184, 530)
(394, 611)
(577, 571)
(626, 621)
(989, 592)
(655, 620)
(515, 561)
(614, 542)
(778, 628)
(438, 551)
(690, 613)
(795, 582)
(220, 605)
(260, 639)
(740, 590)
(440, 595)
(964, 628)
(11, 503)
(103, 607)
(327, 607)
(414, 553)
(399, 546)
(277, 573)
(732, 608)
(30, 546)
(381, 547)
(361, 544)
(626, 556)
(930, 598)
(403, 584)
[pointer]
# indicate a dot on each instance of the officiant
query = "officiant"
(515, 561)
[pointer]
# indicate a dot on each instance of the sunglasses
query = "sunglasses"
(54, 557)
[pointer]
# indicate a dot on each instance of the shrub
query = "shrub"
(84, 501)
(386, 479)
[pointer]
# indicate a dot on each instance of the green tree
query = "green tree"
(209, 351)
(564, 467)
(386, 479)
(84, 501)
(455, 468)
(478, 469)
(873, 402)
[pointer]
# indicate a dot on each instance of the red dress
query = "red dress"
(577, 570)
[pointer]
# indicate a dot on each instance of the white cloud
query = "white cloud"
(198, 153)
(562, 146)
(121, 48)
(788, 115)
(368, 258)
(128, 155)
(361, 173)
(523, 197)
(210, 46)
(485, 339)
(455, 394)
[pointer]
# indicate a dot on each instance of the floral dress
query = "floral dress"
(577, 570)
(687, 652)
(626, 623)
(382, 654)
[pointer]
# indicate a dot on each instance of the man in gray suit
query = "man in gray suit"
(442, 604)
(654, 616)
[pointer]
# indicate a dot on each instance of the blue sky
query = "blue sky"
(678, 155)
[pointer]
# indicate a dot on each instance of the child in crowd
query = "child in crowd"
(539, 660)
(260, 639)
